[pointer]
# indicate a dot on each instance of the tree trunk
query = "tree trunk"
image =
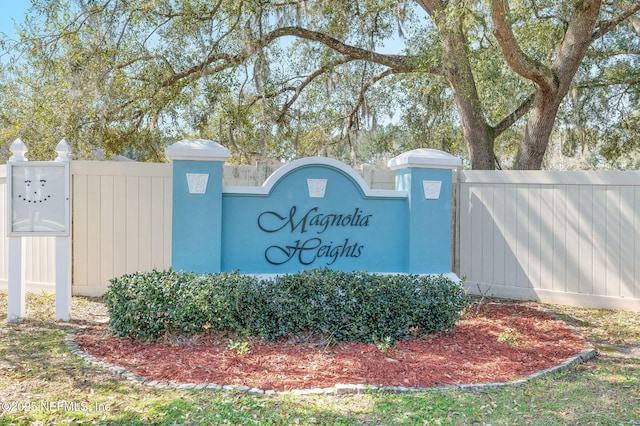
(479, 139)
(477, 134)
(537, 131)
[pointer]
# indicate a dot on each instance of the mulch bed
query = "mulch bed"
(501, 343)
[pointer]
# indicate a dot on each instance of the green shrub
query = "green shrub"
(348, 306)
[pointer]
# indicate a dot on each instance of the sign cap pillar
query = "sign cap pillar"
(197, 204)
(427, 176)
(197, 150)
(425, 158)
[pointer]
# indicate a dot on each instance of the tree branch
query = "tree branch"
(599, 84)
(513, 54)
(606, 26)
(635, 24)
(401, 63)
(198, 18)
(518, 113)
(227, 60)
(373, 80)
(431, 6)
(576, 40)
(147, 58)
(308, 81)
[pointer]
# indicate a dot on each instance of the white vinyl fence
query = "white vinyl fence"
(121, 221)
(562, 237)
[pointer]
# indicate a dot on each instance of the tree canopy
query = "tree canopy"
(494, 81)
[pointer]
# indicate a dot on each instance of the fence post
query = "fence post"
(16, 307)
(426, 174)
(63, 251)
(197, 204)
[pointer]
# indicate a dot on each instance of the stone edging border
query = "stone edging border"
(338, 389)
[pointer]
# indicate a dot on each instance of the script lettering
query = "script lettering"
(271, 221)
(314, 249)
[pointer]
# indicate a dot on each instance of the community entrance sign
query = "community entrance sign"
(312, 213)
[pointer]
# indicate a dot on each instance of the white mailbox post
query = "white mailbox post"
(38, 204)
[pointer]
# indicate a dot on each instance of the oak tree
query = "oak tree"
(293, 77)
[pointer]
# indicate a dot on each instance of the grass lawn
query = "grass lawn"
(42, 383)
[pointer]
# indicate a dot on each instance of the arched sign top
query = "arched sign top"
(302, 163)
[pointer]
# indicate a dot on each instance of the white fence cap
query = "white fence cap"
(197, 150)
(18, 149)
(425, 158)
(63, 150)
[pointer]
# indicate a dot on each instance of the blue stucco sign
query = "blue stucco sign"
(314, 212)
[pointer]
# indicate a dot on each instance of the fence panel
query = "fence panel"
(121, 221)
(562, 237)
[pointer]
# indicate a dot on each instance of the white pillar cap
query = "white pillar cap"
(197, 150)
(425, 158)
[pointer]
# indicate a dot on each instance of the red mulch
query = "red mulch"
(471, 354)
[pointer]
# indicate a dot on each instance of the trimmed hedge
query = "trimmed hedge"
(349, 306)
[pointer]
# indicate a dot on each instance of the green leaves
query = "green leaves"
(346, 306)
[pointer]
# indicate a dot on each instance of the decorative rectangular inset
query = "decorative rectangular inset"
(431, 189)
(316, 187)
(197, 183)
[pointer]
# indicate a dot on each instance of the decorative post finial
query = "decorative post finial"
(18, 149)
(63, 151)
